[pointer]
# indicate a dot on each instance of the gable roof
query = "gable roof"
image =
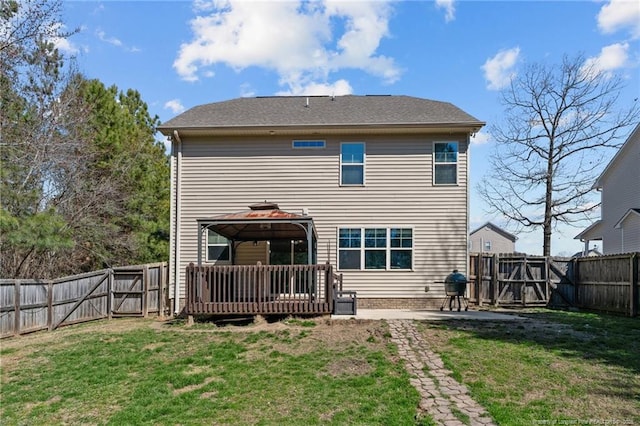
(263, 221)
(322, 111)
(634, 137)
(591, 232)
(497, 229)
(626, 214)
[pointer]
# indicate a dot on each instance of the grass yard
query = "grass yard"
(552, 368)
(134, 372)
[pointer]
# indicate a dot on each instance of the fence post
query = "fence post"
(49, 305)
(494, 279)
(633, 291)
(576, 279)
(109, 293)
(523, 290)
(547, 272)
(145, 291)
(16, 303)
(161, 289)
(479, 278)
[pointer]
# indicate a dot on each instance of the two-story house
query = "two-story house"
(378, 184)
(490, 238)
(619, 186)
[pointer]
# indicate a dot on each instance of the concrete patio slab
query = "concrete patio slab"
(435, 315)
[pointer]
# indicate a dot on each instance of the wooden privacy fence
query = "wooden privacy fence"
(28, 305)
(260, 289)
(604, 283)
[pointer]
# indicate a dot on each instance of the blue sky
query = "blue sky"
(180, 54)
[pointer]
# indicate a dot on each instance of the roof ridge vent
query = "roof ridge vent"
(264, 206)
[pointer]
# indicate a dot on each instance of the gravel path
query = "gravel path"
(442, 397)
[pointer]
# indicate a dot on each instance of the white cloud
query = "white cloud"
(611, 58)
(498, 71)
(449, 7)
(174, 105)
(620, 14)
(246, 91)
(480, 138)
(102, 36)
(339, 88)
(302, 41)
(64, 45)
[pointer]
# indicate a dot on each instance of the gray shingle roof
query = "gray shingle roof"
(348, 110)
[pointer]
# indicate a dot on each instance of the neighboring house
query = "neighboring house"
(619, 185)
(384, 179)
(490, 238)
(591, 253)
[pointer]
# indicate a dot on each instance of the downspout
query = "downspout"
(466, 262)
(178, 210)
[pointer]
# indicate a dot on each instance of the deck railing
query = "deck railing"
(260, 289)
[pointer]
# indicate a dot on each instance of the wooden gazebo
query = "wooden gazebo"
(260, 289)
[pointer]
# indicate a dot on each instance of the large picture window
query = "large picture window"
(218, 248)
(375, 248)
(352, 158)
(445, 163)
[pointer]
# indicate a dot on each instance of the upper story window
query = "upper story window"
(309, 144)
(487, 245)
(445, 163)
(375, 248)
(352, 156)
(218, 247)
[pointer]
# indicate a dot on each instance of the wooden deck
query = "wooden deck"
(261, 289)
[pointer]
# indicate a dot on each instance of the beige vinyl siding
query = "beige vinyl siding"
(249, 254)
(225, 176)
(620, 192)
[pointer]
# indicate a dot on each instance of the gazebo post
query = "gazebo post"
(199, 243)
(309, 243)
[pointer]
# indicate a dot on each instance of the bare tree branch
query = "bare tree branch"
(559, 122)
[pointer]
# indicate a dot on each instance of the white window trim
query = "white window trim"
(434, 163)
(364, 165)
(387, 248)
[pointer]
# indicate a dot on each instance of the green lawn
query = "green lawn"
(551, 368)
(287, 373)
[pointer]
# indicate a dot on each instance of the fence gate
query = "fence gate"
(128, 292)
(514, 279)
(523, 281)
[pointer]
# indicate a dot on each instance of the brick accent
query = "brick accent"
(414, 303)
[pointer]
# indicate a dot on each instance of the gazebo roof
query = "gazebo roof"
(263, 221)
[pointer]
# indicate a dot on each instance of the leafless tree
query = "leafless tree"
(560, 122)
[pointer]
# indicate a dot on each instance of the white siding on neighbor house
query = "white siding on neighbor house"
(620, 192)
(630, 230)
(499, 243)
(225, 176)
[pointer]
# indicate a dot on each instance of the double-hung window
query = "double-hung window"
(218, 248)
(380, 248)
(352, 156)
(445, 163)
